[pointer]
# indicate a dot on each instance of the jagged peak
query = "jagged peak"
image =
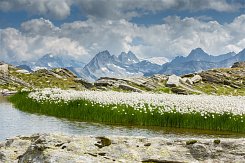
(197, 51)
(103, 53)
(231, 53)
(130, 53)
(128, 58)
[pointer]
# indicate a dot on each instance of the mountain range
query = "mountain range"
(104, 64)
(128, 64)
(50, 61)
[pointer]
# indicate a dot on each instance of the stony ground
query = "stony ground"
(63, 149)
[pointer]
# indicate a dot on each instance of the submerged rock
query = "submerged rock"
(63, 148)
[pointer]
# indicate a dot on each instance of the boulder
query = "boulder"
(200, 152)
(196, 78)
(173, 81)
(4, 69)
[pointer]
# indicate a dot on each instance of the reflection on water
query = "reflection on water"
(14, 122)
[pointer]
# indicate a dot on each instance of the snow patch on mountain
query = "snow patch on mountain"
(158, 60)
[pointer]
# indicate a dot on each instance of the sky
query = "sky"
(30, 29)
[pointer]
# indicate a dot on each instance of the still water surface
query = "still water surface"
(14, 122)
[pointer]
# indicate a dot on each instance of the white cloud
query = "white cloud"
(16, 46)
(114, 9)
(84, 39)
(39, 27)
(58, 9)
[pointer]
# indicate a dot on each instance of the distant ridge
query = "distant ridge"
(128, 64)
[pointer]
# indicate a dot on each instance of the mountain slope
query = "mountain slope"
(50, 61)
(106, 65)
(57, 61)
(198, 60)
(145, 67)
(157, 60)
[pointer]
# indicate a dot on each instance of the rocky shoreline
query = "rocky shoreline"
(67, 148)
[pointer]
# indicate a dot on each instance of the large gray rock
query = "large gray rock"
(200, 152)
(62, 148)
(173, 81)
(4, 69)
(196, 78)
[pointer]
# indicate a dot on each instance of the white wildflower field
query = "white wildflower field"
(170, 110)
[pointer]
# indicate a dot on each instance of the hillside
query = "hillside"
(221, 81)
(14, 79)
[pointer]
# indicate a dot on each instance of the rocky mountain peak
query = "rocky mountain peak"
(49, 57)
(197, 54)
(128, 58)
(103, 54)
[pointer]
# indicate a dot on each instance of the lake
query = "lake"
(14, 122)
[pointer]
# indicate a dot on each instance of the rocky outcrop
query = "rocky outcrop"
(173, 81)
(196, 78)
(232, 77)
(136, 84)
(129, 88)
(64, 73)
(109, 82)
(238, 65)
(4, 69)
(62, 148)
(85, 83)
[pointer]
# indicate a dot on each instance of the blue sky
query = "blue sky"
(81, 28)
(14, 18)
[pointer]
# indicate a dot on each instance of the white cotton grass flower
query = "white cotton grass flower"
(206, 105)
